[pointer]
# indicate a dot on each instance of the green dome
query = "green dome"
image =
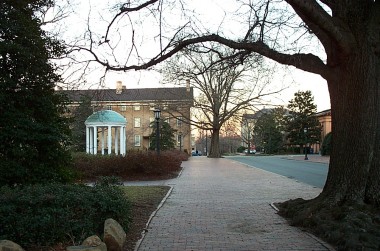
(105, 117)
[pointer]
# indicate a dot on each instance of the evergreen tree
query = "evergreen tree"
(167, 140)
(78, 128)
(326, 148)
(268, 130)
(33, 134)
(301, 117)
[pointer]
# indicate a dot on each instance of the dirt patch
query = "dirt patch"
(145, 201)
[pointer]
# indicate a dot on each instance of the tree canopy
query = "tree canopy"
(269, 130)
(167, 140)
(33, 132)
(301, 124)
(78, 127)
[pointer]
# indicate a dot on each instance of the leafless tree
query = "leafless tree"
(224, 86)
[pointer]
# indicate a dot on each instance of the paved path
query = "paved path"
(218, 204)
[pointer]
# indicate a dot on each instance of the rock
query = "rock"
(6, 245)
(101, 247)
(114, 235)
(92, 241)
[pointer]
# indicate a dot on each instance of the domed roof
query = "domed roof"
(106, 117)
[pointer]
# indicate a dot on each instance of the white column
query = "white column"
(116, 141)
(103, 139)
(87, 139)
(95, 140)
(125, 140)
(122, 144)
(109, 139)
(91, 140)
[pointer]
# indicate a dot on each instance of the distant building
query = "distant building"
(137, 106)
(324, 117)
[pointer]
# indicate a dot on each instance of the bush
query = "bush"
(43, 215)
(327, 144)
(241, 149)
(109, 181)
(135, 165)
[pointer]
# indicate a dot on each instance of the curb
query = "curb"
(326, 245)
(138, 243)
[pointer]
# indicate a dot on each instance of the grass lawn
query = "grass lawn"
(144, 200)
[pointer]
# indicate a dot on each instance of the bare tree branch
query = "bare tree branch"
(322, 23)
(126, 9)
(307, 62)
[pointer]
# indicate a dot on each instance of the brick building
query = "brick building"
(137, 106)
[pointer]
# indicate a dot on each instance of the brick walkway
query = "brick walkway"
(218, 204)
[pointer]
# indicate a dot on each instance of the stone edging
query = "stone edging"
(151, 217)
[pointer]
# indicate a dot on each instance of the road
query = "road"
(311, 173)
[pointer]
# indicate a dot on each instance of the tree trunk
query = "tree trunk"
(354, 167)
(352, 187)
(354, 173)
(214, 148)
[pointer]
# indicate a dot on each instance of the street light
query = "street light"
(305, 131)
(206, 143)
(248, 136)
(180, 141)
(157, 115)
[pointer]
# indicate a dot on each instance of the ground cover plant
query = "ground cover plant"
(40, 216)
(53, 216)
(346, 227)
(139, 165)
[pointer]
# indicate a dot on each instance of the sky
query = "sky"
(76, 24)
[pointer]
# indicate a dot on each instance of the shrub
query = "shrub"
(135, 165)
(241, 149)
(43, 215)
(327, 144)
(109, 181)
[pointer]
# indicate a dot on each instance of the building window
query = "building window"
(123, 108)
(167, 120)
(151, 121)
(136, 107)
(137, 122)
(179, 121)
(137, 140)
(109, 107)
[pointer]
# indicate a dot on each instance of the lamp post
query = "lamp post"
(157, 115)
(305, 131)
(206, 144)
(248, 136)
(180, 141)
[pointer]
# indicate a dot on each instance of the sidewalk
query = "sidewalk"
(218, 204)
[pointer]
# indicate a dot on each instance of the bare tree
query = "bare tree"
(224, 86)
